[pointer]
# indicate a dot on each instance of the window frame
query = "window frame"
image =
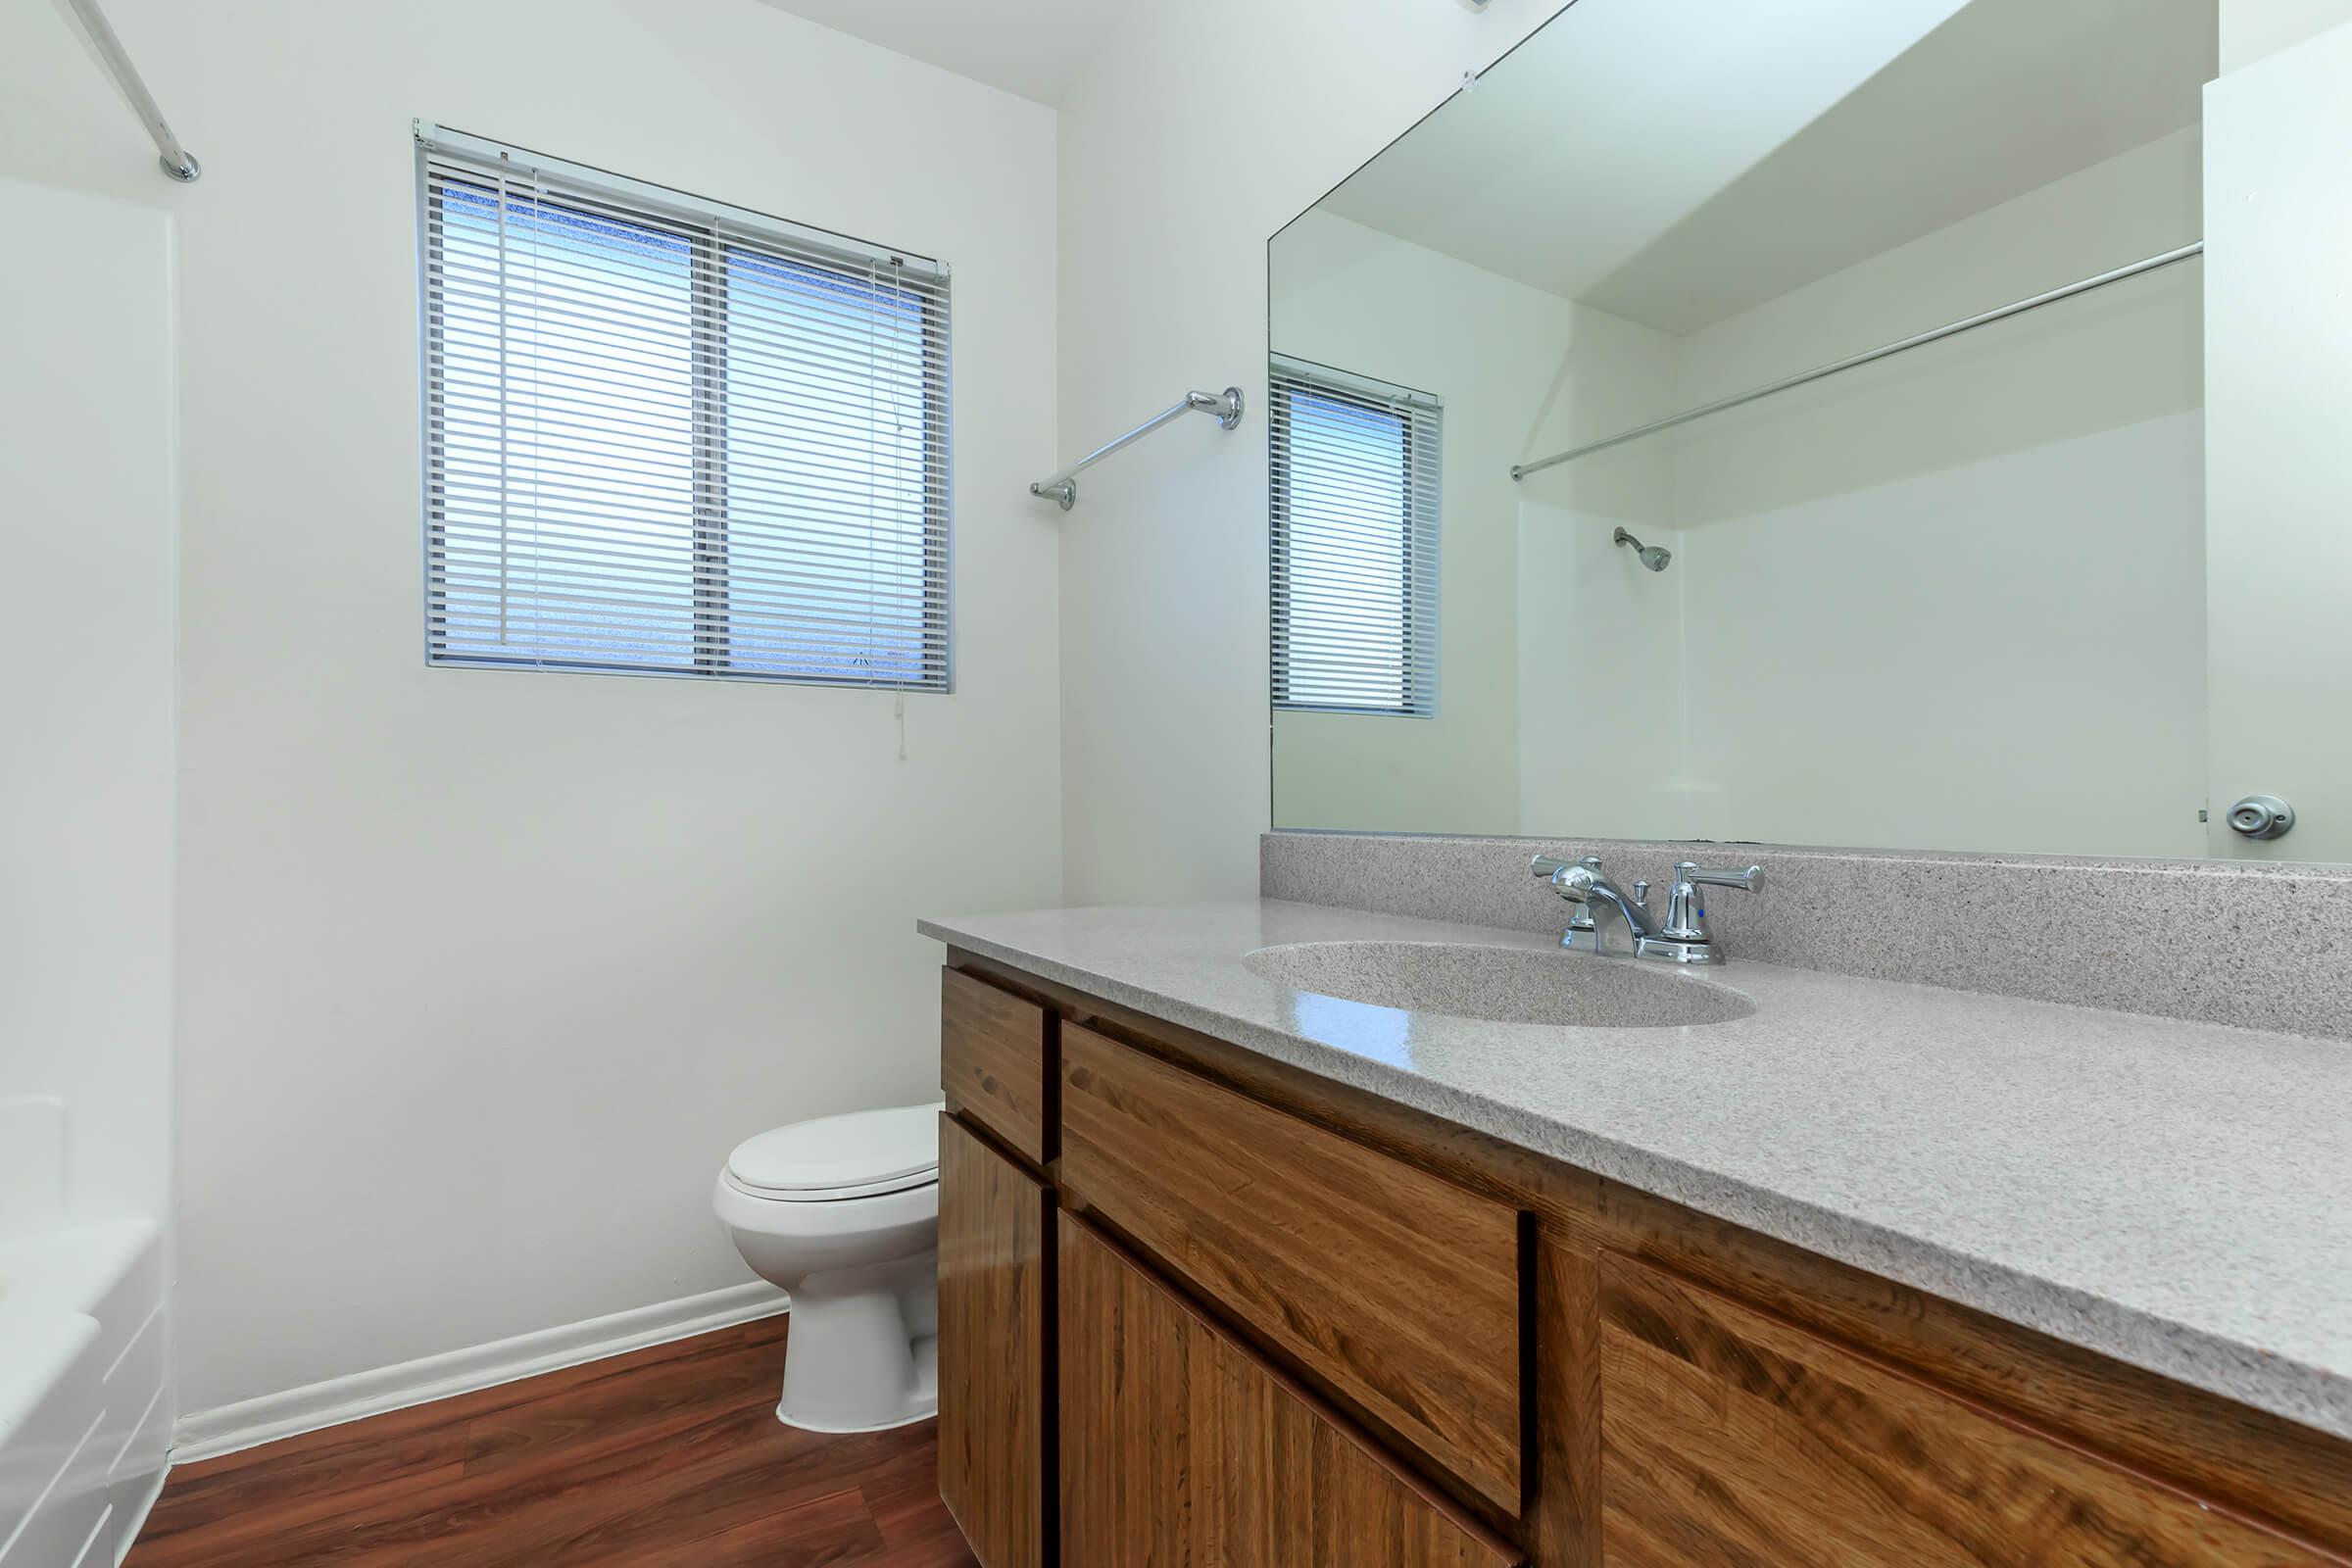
(715, 236)
(1420, 418)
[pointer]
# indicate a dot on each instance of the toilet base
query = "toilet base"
(921, 1408)
(863, 1352)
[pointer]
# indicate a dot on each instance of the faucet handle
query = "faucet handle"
(1687, 909)
(1746, 879)
(1552, 870)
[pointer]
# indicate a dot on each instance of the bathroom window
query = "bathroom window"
(665, 436)
(1355, 542)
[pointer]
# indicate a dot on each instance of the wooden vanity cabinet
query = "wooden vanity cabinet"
(1230, 1315)
(995, 1420)
(1729, 1437)
(1181, 1447)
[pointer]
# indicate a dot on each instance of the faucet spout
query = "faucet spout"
(1580, 884)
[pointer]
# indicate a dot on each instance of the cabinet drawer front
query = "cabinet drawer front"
(1398, 1287)
(1180, 1446)
(992, 1061)
(1732, 1438)
(993, 1237)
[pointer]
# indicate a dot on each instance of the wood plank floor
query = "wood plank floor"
(667, 1457)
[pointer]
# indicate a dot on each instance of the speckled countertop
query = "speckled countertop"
(2178, 1195)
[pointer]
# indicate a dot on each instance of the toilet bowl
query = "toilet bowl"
(843, 1212)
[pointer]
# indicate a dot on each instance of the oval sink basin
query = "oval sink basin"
(1502, 984)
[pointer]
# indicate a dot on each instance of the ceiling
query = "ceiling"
(1030, 47)
(1678, 161)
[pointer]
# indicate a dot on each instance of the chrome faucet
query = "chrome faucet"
(1581, 883)
(1683, 938)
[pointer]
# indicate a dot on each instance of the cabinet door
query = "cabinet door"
(1179, 1447)
(1732, 1439)
(992, 1349)
(1396, 1286)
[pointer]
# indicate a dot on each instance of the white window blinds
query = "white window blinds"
(1355, 542)
(667, 436)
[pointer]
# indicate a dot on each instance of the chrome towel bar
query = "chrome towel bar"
(1867, 357)
(1062, 487)
(178, 161)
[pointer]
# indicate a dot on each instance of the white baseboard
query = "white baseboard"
(209, 1434)
(138, 1515)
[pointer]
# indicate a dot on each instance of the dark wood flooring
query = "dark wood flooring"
(668, 1458)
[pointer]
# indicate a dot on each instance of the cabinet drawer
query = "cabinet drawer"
(1732, 1438)
(992, 1236)
(1398, 1289)
(992, 1061)
(1179, 1446)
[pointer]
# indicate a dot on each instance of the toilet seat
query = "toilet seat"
(867, 1154)
(833, 1195)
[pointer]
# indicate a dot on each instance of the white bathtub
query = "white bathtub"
(84, 1425)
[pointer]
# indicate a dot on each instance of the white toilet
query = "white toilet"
(843, 1212)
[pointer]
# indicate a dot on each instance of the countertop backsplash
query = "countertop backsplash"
(2255, 946)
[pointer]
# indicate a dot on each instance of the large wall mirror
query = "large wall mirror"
(1914, 425)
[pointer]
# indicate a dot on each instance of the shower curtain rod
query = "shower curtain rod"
(178, 161)
(1869, 357)
(1062, 487)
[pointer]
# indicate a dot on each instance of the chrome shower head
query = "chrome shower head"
(1652, 556)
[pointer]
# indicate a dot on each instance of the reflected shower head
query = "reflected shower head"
(1652, 556)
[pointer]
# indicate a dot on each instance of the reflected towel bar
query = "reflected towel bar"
(178, 161)
(1062, 487)
(1870, 357)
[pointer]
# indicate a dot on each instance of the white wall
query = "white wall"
(1181, 150)
(86, 415)
(482, 973)
(1603, 705)
(2280, 369)
(2000, 656)
(2254, 29)
(1955, 601)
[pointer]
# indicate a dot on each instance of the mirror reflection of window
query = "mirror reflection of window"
(1355, 465)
